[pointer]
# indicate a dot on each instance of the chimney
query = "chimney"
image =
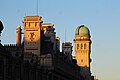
(18, 36)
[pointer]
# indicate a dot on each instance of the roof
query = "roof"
(82, 31)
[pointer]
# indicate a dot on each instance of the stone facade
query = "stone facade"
(50, 66)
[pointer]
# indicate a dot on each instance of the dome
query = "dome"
(1, 26)
(82, 31)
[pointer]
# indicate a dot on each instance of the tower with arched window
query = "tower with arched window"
(32, 34)
(82, 47)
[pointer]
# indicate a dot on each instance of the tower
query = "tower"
(67, 49)
(32, 34)
(82, 47)
(18, 36)
(49, 31)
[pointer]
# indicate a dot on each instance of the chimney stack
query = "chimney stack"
(18, 36)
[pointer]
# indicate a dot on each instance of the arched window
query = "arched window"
(81, 60)
(35, 24)
(77, 46)
(84, 46)
(81, 46)
(29, 24)
(25, 24)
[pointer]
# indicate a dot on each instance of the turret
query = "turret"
(82, 47)
(32, 34)
(18, 36)
(67, 49)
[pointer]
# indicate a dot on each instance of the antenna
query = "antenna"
(65, 35)
(37, 8)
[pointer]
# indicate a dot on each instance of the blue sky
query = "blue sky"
(102, 17)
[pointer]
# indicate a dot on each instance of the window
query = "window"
(77, 46)
(81, 60)
(35, 24)
(39, 24)
(29, 24)
(81, 46)
(84, 46)
(25, 24)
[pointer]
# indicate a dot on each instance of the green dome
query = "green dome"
(82, 31)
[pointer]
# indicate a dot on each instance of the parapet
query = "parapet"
(32, 18)
(10, 45)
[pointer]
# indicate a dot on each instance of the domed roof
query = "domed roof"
(82, 31)
(1, 26)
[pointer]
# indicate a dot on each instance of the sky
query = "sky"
(102, 17)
